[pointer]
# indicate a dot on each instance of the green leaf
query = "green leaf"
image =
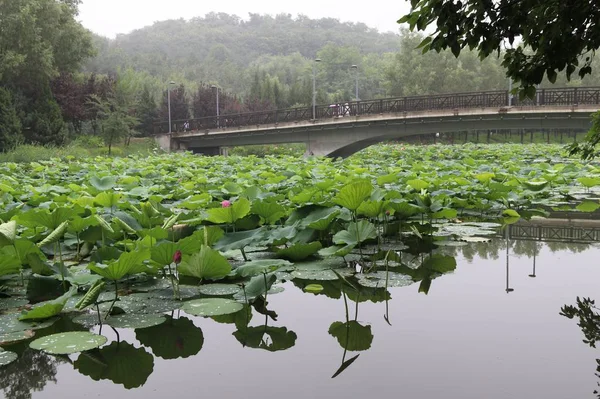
(55, 235)
(7, 357)
(128, 263)
(589, 181)
(536, 185)
(257, 286)
(91, 295)
(217, 289)
(119, 362)
(588, 206)
(206, 264)
(356, 233)
(108, 199)
(320, 218)
(418, 184)
(241, 239)
(237, 210)
(511, 213)
(45, 310)
(256, 267)
(353, 194)
(211, 307)
(313, 288)
(9, 261)
(104, 224)
(270, 211)
(8, 233)
(103, 183)
(299, 251)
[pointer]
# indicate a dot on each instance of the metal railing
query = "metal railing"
(499, 98)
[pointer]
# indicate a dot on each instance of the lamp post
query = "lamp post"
(510, 96)
(356, 87)
(314, 96)
(217, 88)
(171, 83)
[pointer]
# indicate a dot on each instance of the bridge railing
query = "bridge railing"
(499, 98)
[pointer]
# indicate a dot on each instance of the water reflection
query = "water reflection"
(589, 321)
(29, 373)
(130, 365)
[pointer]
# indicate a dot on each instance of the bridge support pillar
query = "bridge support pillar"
(163, 141)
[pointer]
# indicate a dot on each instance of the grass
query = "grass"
(77, 149)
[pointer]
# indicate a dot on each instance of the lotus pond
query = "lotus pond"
(147, 277)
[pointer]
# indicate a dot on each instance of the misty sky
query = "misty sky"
(109, 17)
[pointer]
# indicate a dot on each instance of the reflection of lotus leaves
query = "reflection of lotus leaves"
(352, 335)
(121, 363)
(254, 337)
(173, 339)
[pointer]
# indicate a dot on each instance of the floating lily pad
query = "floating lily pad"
(276, 289)
(377, 279)
(69, 342)
(211, 307)
(7, 357)
(135, 320)
(475, 239)
(313, 288)
(314, 274)
(10, 324)
(12, 303)
(450, 243)
(16, 337)
(87, 320)
(218, 289)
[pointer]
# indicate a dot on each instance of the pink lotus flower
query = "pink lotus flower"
(177, 257)
(225, 204)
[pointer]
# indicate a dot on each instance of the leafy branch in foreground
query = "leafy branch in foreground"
(544, 37)
(587, 149)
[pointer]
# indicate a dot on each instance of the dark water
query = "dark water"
(468, 338)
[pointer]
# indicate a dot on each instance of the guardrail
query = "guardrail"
(500, 98)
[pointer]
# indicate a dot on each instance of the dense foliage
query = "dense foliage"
(543, 38)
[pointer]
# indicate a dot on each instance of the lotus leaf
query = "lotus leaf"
(69, 342)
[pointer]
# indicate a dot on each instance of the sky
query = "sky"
(111, 17)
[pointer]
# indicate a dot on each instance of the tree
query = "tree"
(541, 37)
(146, 112)
(10, 125)
(116, 123)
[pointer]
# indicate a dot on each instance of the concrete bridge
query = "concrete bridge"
(343, 129)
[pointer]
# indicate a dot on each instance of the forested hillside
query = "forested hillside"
(58, 81)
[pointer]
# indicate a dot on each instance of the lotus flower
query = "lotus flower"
(225, 204)
(177, 257)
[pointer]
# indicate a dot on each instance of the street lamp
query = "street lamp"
(216, 87)
(171, 83)
(356, 95)
(314, 98)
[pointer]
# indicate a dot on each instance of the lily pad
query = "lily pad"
(211, 307)
(314, 275)
(10, 324)
(377, 279)
(7, 357)
(69, 342)
(135, 320)
(313, 288)
(218, 289)
(16, 337)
